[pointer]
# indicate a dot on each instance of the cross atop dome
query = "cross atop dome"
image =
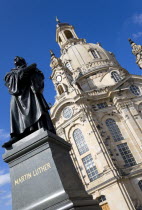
(57, 20)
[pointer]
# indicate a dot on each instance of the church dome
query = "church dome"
(90, 64)
(86, 55)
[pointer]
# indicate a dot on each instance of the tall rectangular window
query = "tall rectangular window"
(90, 167)
(114, 130)
(126, 155)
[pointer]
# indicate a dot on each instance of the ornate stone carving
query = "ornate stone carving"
(55, 62)
(137, 51)
(60, 132)
(98, 91)
(124, 105)
(70, 43)
(82, 117)
(96, 64)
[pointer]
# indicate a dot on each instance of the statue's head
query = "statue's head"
(19, 62)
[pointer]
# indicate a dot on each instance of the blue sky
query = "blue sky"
(28, 30)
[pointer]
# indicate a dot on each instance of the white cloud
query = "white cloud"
(137, 18)
(3, 134)
(137, 35)
(4, 179)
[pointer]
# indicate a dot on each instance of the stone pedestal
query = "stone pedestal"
(43, 175)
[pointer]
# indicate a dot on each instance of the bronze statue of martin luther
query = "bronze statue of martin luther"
(28, 109)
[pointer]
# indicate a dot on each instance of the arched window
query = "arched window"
(95, 53)
(80, 141)
(60, 40)
(135, 90)
(140, 184)
(68, 34)
(115, 76)
(114, 130)
(60, 89)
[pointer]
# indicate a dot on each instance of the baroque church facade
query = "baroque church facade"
(98, 110)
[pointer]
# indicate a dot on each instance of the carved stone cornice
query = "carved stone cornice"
(70, 43)
(97, 92)
(96, 65)
(124, 105)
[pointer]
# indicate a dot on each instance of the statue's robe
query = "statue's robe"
(27, 102)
